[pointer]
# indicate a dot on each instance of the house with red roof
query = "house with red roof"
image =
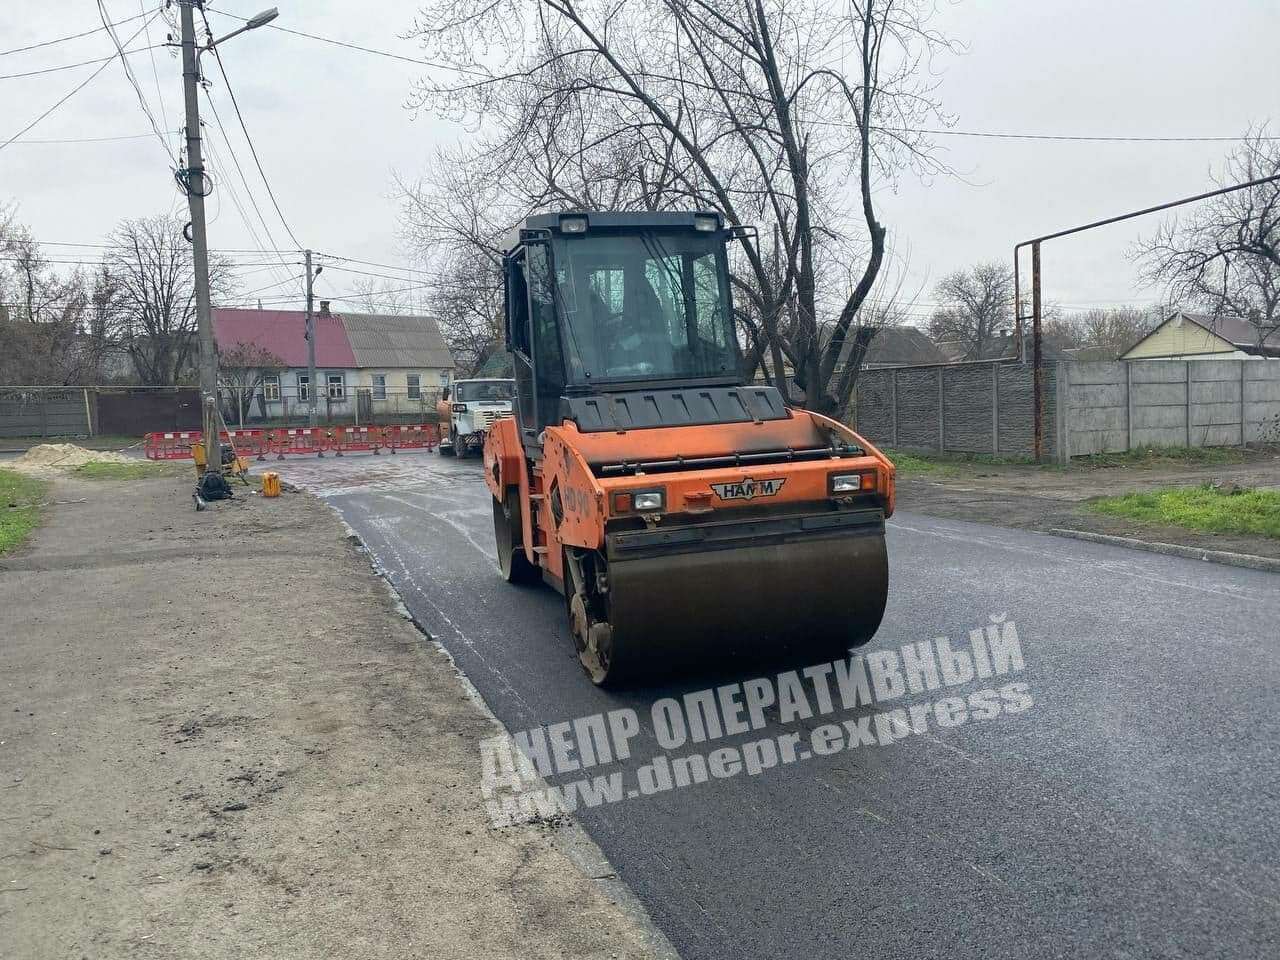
(366, 364)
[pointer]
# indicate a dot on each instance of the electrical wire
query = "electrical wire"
(925, 130)
(74, 90)
(94, 263)
(272, 286)
(72, 66)
(74, 36)
(344, 43)
(131, 136)
(155, 73)
(245, 183)
(137, 88)
(217, 56)
(369, 263)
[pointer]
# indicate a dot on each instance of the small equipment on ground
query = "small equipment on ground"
(685, 516)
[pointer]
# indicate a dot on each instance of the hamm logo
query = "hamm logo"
(748, 489)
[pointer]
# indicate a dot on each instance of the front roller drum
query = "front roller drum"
(803, 601)
(508, 538)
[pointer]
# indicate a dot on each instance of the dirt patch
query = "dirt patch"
(52, 459)
(219, 739)
(1039, 498)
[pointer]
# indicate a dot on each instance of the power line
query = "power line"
(72, 66)
(271, 286)
(345, 43)
(131, 136)
(94, 263)
(74, 90)
(243, 180)
(74, 36)
(239, 172)
(925, 130)
(368, 263)
(155, 73)
(1074, 139)
(133, 81)
(366, 273)
(109, 246)
(217, 56)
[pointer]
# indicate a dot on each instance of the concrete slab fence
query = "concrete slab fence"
(1089, 408)
(1117, 406)
(956, 408)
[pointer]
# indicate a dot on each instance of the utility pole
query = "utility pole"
(199, 243)
(195, 185)
(311, 345)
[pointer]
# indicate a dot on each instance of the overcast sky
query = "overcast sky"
(330, 128)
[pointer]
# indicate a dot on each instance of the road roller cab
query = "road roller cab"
(683, 514)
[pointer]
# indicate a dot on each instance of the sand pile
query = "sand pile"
(50, 459)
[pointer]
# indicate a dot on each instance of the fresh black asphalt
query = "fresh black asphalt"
(1132, 811)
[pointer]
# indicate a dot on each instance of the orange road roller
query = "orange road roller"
(687, 518)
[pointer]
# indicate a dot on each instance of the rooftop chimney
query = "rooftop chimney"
(324, 308)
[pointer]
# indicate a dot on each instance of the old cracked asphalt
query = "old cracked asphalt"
(1131, 812)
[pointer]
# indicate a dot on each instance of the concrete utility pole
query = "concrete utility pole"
(199, 243)
(311, 344)
(195, 184)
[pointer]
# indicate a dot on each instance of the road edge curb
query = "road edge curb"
(1225, 557)
(569, 836)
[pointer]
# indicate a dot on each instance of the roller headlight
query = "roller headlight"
(647, 500)
(848, 483)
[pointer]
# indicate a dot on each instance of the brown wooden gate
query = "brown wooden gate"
(133, 412)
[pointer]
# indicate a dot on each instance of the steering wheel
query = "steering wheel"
(633, 348)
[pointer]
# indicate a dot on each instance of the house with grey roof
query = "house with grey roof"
(1200, 336)
(369, 366)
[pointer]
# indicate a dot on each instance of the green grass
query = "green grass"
(103, 442)
(102, 470)
(1202, 508)
(20, 501)
(1165, 456)
(951, 464)
(912, 465)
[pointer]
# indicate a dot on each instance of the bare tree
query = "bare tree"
(1116, 329)
(381, 296)
(151, 271)
(977, 307)
(42, 314)
(1224, 256)
(455, 219)
(241, 371)
(761, 110)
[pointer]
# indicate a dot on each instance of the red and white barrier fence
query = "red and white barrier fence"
(299, 441)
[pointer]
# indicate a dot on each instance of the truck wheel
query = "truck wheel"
(449, 448)
(507, 534)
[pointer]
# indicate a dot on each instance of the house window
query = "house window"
(337, 386)
(271, 388)
(379, 386)
(304, 387)
(415, 386)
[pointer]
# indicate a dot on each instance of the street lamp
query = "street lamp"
(253, 23)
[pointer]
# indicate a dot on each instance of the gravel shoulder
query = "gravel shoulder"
(1047, 498)
(218, 738)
